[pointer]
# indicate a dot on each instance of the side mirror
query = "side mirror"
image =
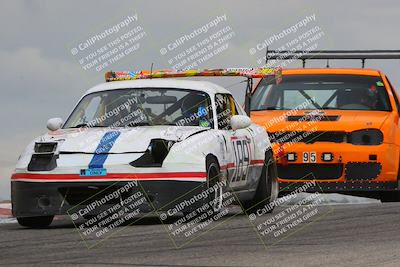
(54, 124)
(240, 122)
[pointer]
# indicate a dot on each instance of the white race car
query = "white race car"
(176, 138)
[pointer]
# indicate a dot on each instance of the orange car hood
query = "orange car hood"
(349, 120)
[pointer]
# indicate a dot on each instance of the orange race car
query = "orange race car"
(338, 127)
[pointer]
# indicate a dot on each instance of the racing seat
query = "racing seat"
(194, 110)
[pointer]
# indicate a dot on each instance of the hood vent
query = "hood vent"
(312, 118)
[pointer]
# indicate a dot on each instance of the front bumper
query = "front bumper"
(61, 198)
(352, 168)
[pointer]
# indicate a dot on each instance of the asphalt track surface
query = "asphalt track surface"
(347, 235)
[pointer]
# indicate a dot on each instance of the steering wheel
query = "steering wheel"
(178, 119)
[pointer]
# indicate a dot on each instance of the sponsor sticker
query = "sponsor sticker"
(93, 172)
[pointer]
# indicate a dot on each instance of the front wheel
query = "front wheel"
(213, 180)
(267, 189)
(35, 222)
(390, 196)
(214, 199)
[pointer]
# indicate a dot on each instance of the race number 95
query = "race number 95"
(309, 157)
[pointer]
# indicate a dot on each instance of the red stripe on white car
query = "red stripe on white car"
(257, 162)
(231, 165)
(186, 176)
(5, 212)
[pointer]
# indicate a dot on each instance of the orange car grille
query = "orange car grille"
(304, 171)
(354, 171)
(362, 170)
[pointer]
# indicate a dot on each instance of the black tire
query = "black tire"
(390, 196)
(213, 177)
(267, 189)
(35, 222)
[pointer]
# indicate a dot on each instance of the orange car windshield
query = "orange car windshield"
(343, 92)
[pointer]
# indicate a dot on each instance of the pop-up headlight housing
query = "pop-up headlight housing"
(43, 157)
(155, 154)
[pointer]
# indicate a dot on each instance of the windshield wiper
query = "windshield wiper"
(136, 124)
(148, 124)
(329, 108)
(267, 108)
(81, 125)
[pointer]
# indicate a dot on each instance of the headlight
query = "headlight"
(291, 156)
(155, 154)
(367, 137)
(327, 157)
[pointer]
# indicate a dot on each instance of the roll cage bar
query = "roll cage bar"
(249, 73)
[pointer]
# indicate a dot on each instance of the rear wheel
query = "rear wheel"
(35, 222)
(268, 187)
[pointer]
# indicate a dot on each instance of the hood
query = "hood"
(116, 140)
(340, 120)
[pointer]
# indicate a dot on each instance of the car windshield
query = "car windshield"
(142, 107)
(344, 92)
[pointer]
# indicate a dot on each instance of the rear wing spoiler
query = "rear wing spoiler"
(249, 73)
(332, 54)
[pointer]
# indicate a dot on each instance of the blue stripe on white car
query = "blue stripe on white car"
(101, 152)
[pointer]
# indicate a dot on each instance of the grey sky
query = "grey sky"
(42, 79)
